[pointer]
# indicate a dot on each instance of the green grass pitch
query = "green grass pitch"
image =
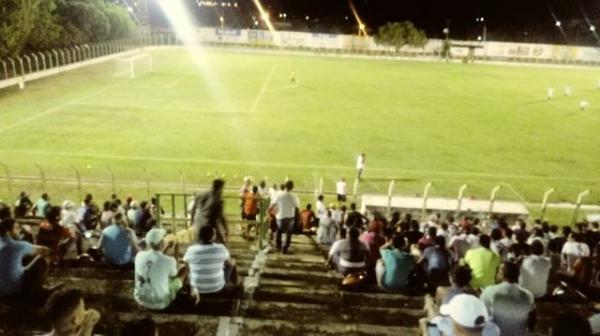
(239, 114)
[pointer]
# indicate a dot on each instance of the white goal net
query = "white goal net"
(133, 66)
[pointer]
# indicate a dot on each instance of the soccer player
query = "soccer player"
(550, 93)
(583, 105)
(293, 76)
(360, 164)
(568, 90)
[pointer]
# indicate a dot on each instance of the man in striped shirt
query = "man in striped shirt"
(210, 264)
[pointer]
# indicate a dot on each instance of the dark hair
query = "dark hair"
(440, 241)
(308, 206)
(484, 240)
(62, 303)
(4, 212)
(206, 234)
(432, 231)
(218, 185)
(414, 225)
(571, 323)
(45, 196)
(496, 234)
(254, 189)
(6, 225)
(143, 327)
(321, 197)
(398, 241)
(511, 272)
(522, 236)
(289, 185)
(461, 276)
(475, 231)
(106, 205)
(538, 232)
(352, 206)
(537, 248)
(53, 214)
(566, 231)
(553, 228)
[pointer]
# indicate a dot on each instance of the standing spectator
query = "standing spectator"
(556, 244)
(459, 245)
(250, 210)
(438, 262)
(512, 307)
(68, 220)
(17, 280)
(573, 250)
(210, 265)
(39, 209)
(520, 249)
(157, 280)
(54, 236)
(497, 245)
(340, 188)
(286, 205)
(535, 271)
(326, 232)
(483, 263)
(133, 215)
(394, 268)
(23, 205)
(360, 165)
(66, 312)
(118, 242)
(355, 218)
(414, 234)
(208, 210)
(348, 256)
(308, 218)
(428, 240)
(321, 208)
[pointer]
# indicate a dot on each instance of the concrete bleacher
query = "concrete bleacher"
(292, 294)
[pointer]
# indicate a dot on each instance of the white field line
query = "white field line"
(57, 108)
(263, 89)
(289, 165)
(177, 81)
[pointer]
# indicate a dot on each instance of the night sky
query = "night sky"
(505, 20)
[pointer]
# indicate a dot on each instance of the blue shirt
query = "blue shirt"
(11, 264)
(40, 207)
(398, 266)
(116, 243)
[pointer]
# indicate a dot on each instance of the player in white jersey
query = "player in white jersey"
(360, 165)
(550, 93)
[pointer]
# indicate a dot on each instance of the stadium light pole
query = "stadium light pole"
(222, 20)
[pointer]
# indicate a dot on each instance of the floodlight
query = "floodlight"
(221, 19)
(593, 28)
(307, 17)
(361, 26)
(130, 9)
(265, 16)
(479, 38)
(284, 15)
(235, 4)
(558, 23)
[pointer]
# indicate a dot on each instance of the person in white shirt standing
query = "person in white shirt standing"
(360, 164)
(321, 208)
(340, 189)
(535, 271)
(157, 280)
(286, 205)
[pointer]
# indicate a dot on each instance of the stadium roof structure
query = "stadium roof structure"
(435, 204)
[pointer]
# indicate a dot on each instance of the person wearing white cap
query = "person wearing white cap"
(157, 279)
(464, 315)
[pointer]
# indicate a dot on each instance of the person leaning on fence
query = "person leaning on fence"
(208, 210)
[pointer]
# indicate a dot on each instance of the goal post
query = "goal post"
(134, 65)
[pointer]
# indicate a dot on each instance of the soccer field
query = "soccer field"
(238, 114)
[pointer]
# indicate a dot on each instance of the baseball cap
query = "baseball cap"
(155, 236)
(466, 310)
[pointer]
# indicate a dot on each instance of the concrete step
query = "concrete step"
(276, 327)
(317, 313)
(329, 278)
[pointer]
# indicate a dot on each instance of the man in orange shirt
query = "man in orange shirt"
(308, 218)
(54, 236)
(250, 210)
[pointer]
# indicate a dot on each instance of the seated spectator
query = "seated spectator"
(133, 215)
(308, 218)
(427, 240)
(459, 245)
(86, 217)
(460, 283)
(373, 239)
(210, 265)
(41, 205)
(511, 306)
(437, 261)
(350, 255)
(157, 279)
(143, 327)
(414, 234)
(65, 310)
(395, 267)
(54, 236)
(17, 280)
(573, 250)
(23, 205)
(535, 271)
(5, 212)
(556, 244)
(250, 209)
(118, 242)
(483, 263)
(464, 315)
(497, 245)
(69, 221)
(355, 218)
(326, 232)
(571, 324)
(109, 210)
(520, 249)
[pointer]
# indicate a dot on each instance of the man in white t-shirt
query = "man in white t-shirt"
(340, 189)
(286, 205)
(535, 271)
(572, 250)
(360, 164)
(157, 280)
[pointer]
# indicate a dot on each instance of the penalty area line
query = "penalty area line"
(263, 89)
